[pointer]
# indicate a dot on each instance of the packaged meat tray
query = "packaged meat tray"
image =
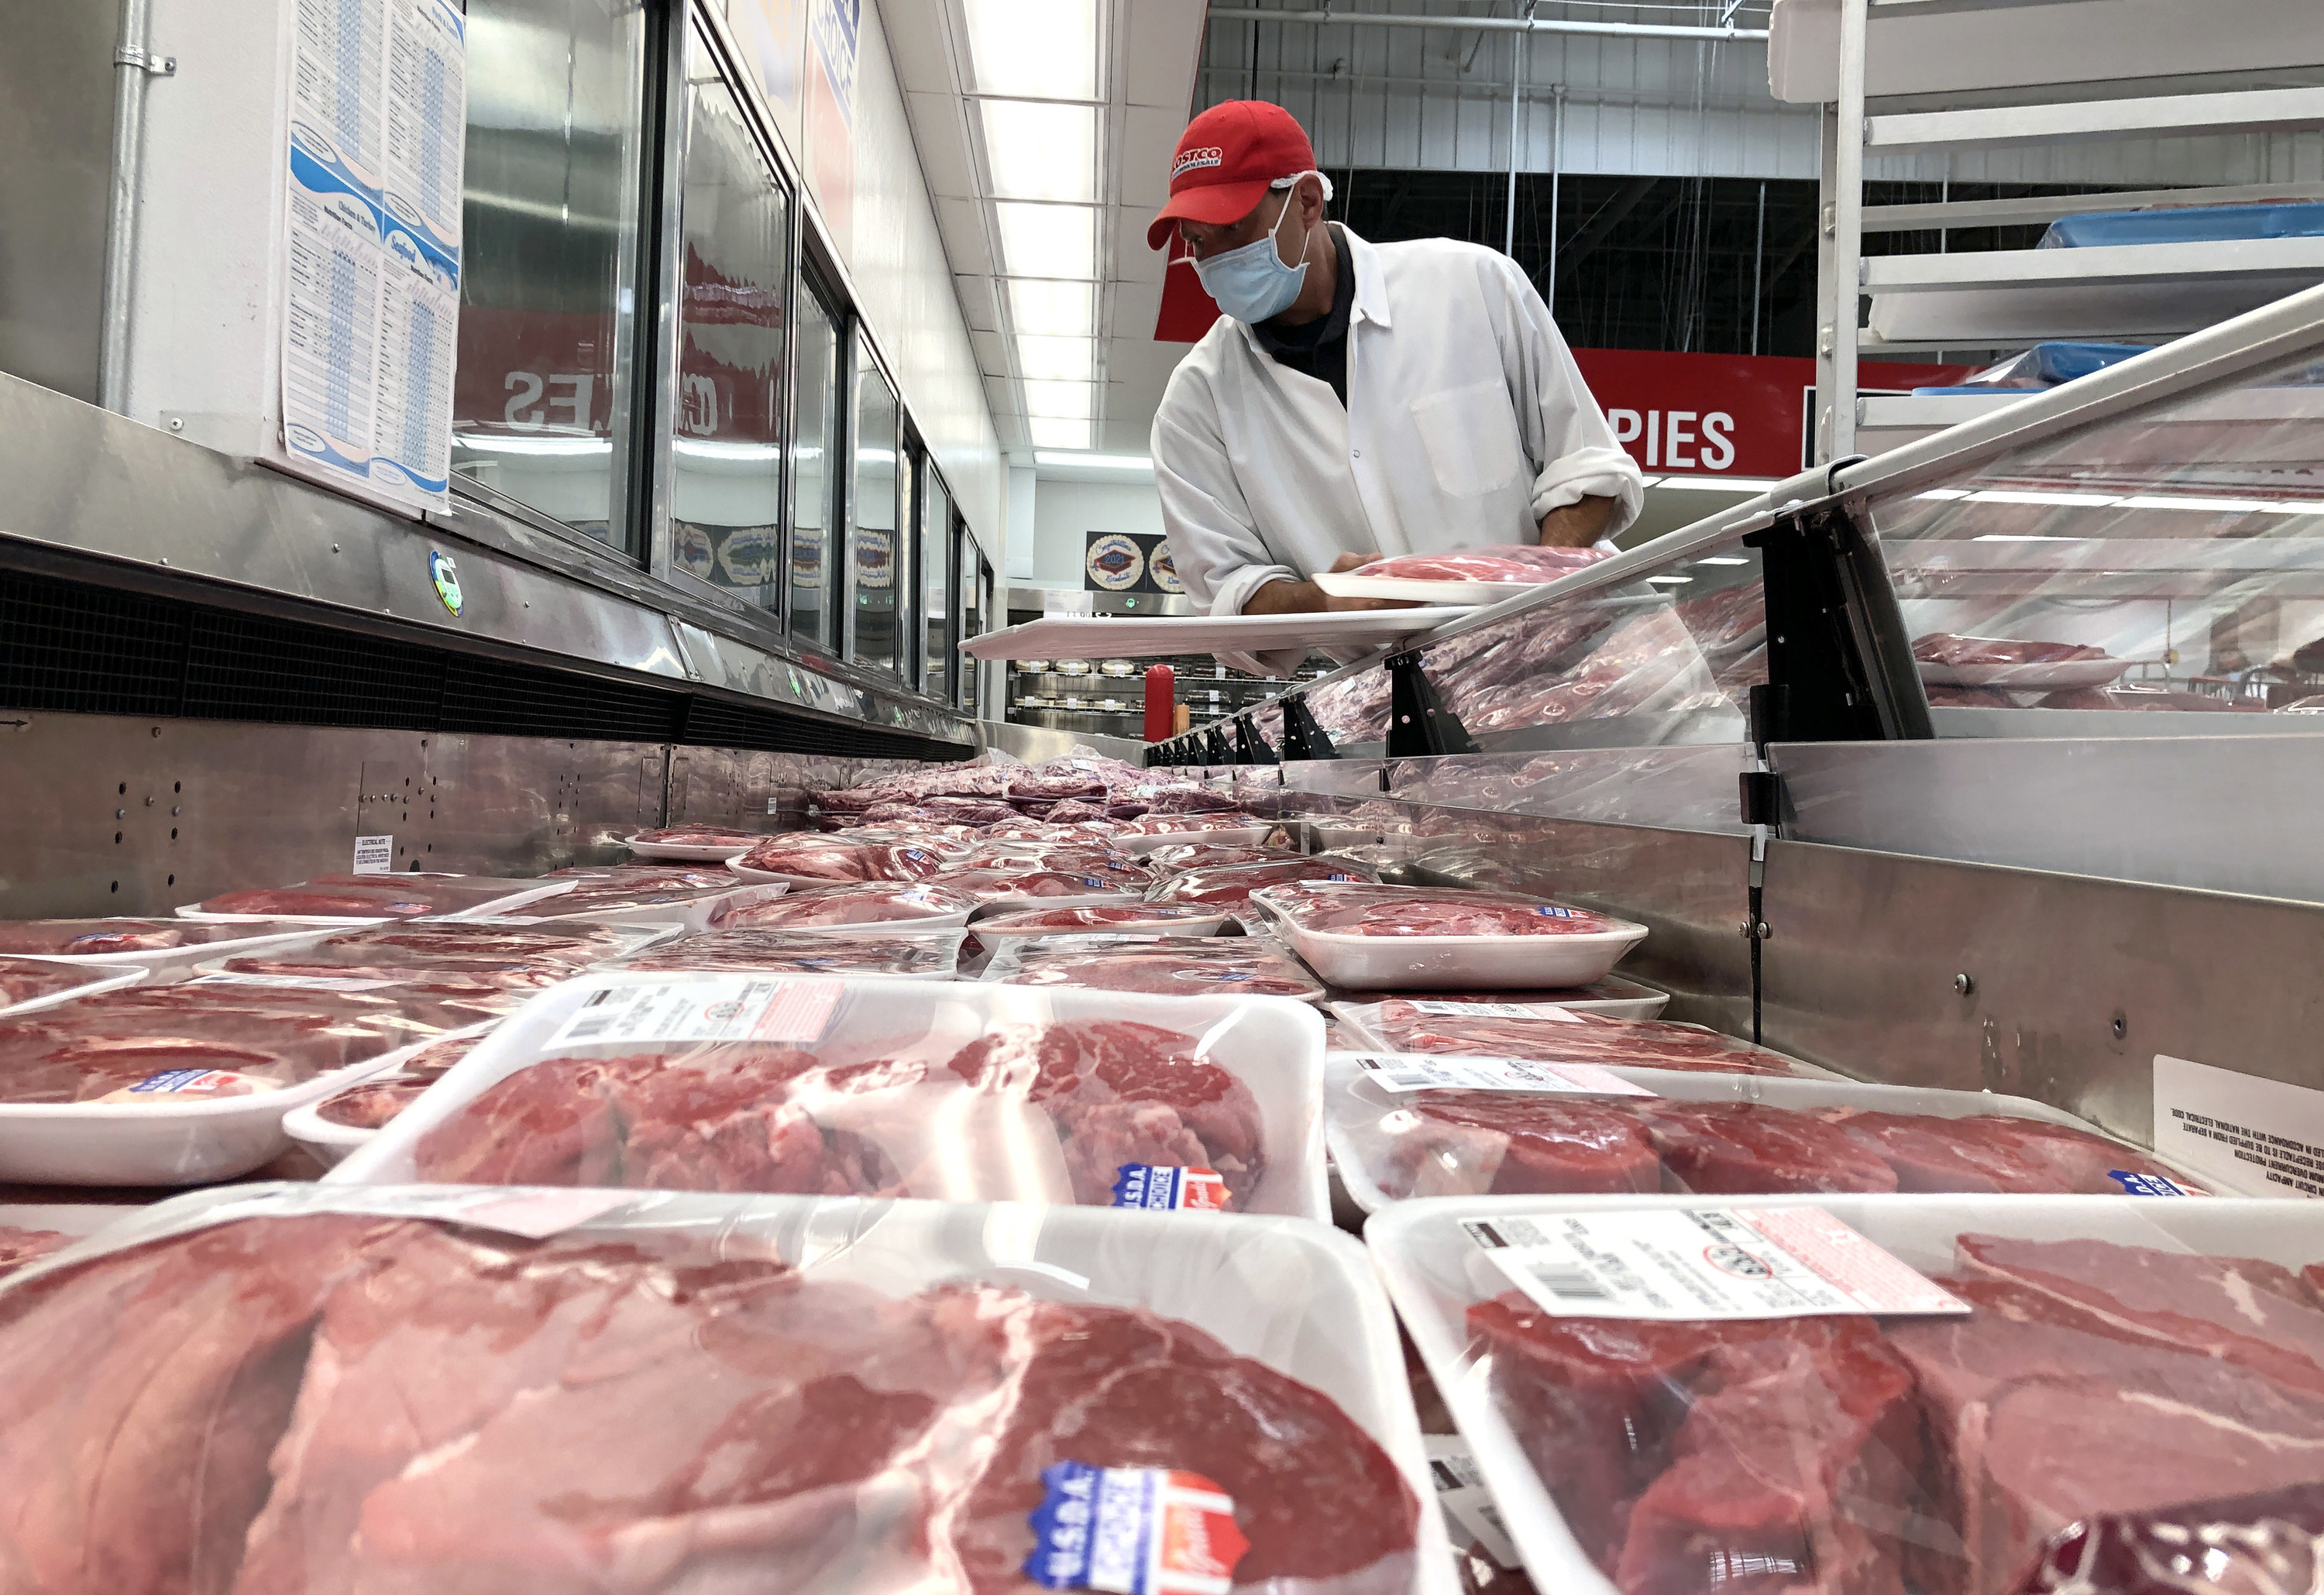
(488, 966)
(1376, 937)
(1947, 661)
(330, 1127)
(1613, 997)
(1547, 1033)
(1165, 966)
(594, 1392)
(180, 1083)
(636, 896)
(1469, 578)
(920, 955)
(1229, 886)
(1226, 829)
(1189, 855)
(31, 1230)
(802, 858)
(1402, 1126)
(1140, 919)
(1009, 891)
(954, 1091)
(707, 844)
(338, 899)
(868, 907)
(158, 946)
(28, 985)
(2114, 1357)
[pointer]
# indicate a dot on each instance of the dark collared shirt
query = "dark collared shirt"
(1320, 348)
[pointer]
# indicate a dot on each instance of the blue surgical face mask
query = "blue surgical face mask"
(1252, 284)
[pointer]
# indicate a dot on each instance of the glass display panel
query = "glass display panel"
(554, 149)
(876, 503)
(973, 621)
(726, 480)
(815, 482)
(2170, 559)
(935, 586)
(905, 560)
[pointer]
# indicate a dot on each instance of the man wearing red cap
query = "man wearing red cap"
(1357, 399)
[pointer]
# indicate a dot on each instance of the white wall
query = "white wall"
(904, 290)
(1063, 512)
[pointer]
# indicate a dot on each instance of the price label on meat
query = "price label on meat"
(724, 1010)
(1402, 1071)
(1497, 1010)
(1702, 1263)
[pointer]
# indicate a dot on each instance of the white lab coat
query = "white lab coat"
(1466, 422)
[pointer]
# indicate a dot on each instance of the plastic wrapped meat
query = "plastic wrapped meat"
(1123, 918)
(1942, 648)
(1419, 910)
(1073, 808)
(872, 903)
(1229, 886)
(2091, 1384)
(1161, 823)
(370, 896)
(451, 952)
(2267, 1543)
(1186, 797)
(344, 1401)
(28, 980)
(1057, 1110)
(1649, 663)
(371, 1105)
(1174, 857)
(929, 956)
(1993, 1153)
(821, 858)
(1054, 788)
(82, 938)
(969, 811)
(1167, 966)
(1465, 1143)
(1513, 563)
(20, 1247)
(282, 1035)
(1010, 885)
(1577, 1038)
(1018, 855)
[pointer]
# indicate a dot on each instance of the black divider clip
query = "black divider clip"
(1303, 738)
(1419, 725)
(1252, 746)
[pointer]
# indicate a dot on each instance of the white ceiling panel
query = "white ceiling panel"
(1148, 135)
(943, 146)
(916, 31)
(1164, 38)
(991, 352)
(979, 298)
(962, 223)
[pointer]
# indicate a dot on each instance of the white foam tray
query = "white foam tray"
(1207, 925)
(1274, 1045)
(1094, 900)
(1085, 635)
(172, 961)
(1629, 1000)
(1455, 963)
(2054, 676)
(692, 915)
(1351, 1100)
(1352, 1018)
(1140, 845)
(499, 907)
(1465, 594)
(1293, 1294)
(332, 1142)
(1433, 1271)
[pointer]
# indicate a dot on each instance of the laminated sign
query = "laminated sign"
(371, 308)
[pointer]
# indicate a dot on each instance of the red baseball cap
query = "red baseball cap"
(1224, 161)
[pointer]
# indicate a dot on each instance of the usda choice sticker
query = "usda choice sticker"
(1169, 1188)
(1698, 1264)
(1133, 1531)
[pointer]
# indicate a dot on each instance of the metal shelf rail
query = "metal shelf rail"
(2012, 299)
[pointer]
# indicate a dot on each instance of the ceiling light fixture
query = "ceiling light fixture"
(1050, 432)
(1059, 401)
(1047, 240)
(1056, 359)
(1992, 495)
(1743, 484)
(1041, 151)
(1095, 462)
(1034, 48)
(1051, 309)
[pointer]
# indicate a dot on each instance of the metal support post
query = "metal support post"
(1839, 276)
(133, 65)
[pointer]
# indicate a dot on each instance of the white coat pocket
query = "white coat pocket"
(1472, 437)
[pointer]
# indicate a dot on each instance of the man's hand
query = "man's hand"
(1283, 597)
(1579, 524)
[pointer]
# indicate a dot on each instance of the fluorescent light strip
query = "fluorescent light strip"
(1050, 432)
(1990, 495)
(1056, 359)
(1746, 484)
(1674, 581)
(2004, 536)
(551, 445)
(1041, 151)
(1034, 48)
(1721, 560)
(1053, 308)
(1095, 462)
(1075, 401)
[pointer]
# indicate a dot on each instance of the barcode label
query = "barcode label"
(1408, 1071)
(1497, 1010)
(1470, 1518)
(1703, 1264)
(707, 1009)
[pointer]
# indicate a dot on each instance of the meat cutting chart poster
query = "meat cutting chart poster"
(379, 110)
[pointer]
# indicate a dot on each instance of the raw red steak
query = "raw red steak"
(1091, 917)
(1460, 1143)
(1228, 886)
(820, 858)
(1579, 1038)
(1173, 821)
(502, 955)
(787, 1120)
(1167, 966)
(2269, 1540)
(1942, 648)
(1993, 1153)
(770, 1431)
(27, 980)
(874, 903)
(1515, 563)
(1177, 856)
(1747, 1149)
(370, 896)
(1004, 885)
(808, 952)
(1420, 910)
(370, 1106)
(78, 938)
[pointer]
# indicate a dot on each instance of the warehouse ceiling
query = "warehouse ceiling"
(1044, 128)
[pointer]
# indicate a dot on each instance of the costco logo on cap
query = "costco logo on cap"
(1209, 156)
(1224, 161)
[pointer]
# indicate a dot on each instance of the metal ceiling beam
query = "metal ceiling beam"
(1486, 24)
